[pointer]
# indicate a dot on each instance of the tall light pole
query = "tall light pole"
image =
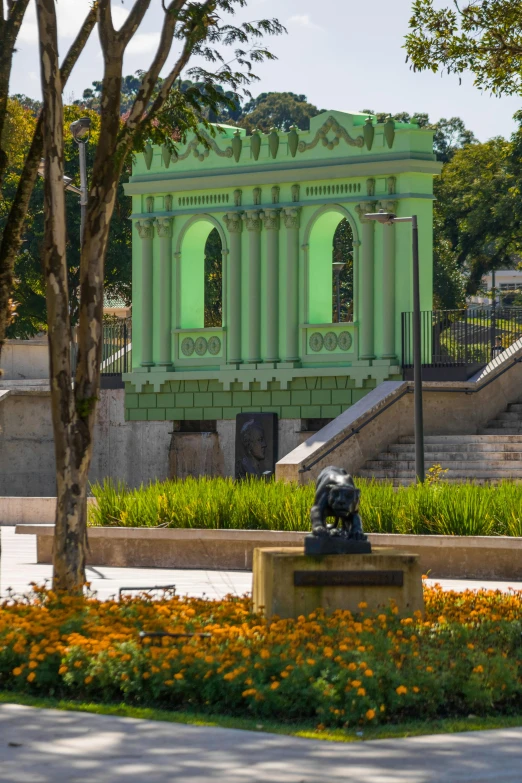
(81, 130)
(387, 218)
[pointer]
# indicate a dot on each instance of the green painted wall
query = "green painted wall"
(276, 207)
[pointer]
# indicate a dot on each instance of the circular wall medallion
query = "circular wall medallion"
(330, 341)
(345, 341)
(214, 345)
(201, 346)
(187, 346)
(316, 341)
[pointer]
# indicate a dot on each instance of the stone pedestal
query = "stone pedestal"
(288, 583)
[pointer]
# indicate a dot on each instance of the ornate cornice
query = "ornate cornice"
(339, 132)
(164, 227)
(363, 208)
(270, 218)
(208, 142)
(145, 228)
(233, 222)
(252, 220)
(291, 217)
(388, 206)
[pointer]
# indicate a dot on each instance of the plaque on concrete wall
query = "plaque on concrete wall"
(256, 444)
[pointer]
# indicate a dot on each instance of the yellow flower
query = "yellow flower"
(249, 692)
(415, 689)
(352, 667)
(401, 689)
(478, 669)
(368, 673)
(87, 680)
(275, 685)
(356, 683)
(62, 669)
(265, 654)
(33, 664)
(178, 676)
(246, 653)
(146, 675)
(31, 677)
(361, 692)
(429, 668)
(17, 672)
(310, 661)
(370, 714)
(363, 605)
(169, 682)
(327, 652)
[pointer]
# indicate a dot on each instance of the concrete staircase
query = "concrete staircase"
(492, 455)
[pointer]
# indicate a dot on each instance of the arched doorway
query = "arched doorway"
(330, 270)
(201, 277)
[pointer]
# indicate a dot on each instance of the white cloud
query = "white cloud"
(143, 43)
(303, 20)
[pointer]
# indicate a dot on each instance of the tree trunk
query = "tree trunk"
(13, 229)
(71, 514)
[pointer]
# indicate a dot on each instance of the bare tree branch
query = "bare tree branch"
(132, 22)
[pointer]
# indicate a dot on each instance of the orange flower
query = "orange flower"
(361, 692)
(370, 714)
(275, 685)
(401, 690)
(31, 677)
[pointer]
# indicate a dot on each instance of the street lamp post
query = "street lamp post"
(81, 130)
(338, 267)
(387, 218)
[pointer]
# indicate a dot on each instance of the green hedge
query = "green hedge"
(452, 509)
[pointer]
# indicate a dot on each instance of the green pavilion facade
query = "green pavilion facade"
(235, 242)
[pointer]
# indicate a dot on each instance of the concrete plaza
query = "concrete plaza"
(18, 568)
(40, 746)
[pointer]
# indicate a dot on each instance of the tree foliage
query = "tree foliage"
(278, 110)
(483, 36)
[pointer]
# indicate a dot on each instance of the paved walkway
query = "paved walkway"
(40, 746)
(18, 568)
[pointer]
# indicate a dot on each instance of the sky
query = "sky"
(342, 54)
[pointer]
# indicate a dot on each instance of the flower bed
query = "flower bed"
(464, 656)
(436, 507)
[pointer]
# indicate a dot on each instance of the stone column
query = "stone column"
(388, 285)
(164, 229)
(291, 218)
(234, 225)
(366, 313)
(146, 232)
(253, 223)
(272, 223)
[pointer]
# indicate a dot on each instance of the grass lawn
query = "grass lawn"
(307, 731)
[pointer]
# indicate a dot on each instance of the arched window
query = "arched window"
(330, 260)
(201, 290)
(213, 280)
(342, 266)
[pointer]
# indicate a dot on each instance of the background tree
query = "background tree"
(278, 110)
(201, 29)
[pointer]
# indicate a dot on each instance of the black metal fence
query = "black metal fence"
(456, 343)
(117, 345)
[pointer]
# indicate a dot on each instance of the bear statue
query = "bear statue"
(337, 496)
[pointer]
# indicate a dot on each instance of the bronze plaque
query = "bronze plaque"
(348, 578)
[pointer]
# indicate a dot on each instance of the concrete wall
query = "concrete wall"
(130, 451)
(23, 359)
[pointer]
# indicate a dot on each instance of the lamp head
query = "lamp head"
(81, 129)
(381, 216)
(338, 266)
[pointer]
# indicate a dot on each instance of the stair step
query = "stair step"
(432, 449)
(453, 456)
(410, 479)
(483, 437)
(502, 432)
(515, 406)
(509, 416)
(469, 467)
(452, 473)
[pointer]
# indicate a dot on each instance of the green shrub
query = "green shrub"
(451, 509)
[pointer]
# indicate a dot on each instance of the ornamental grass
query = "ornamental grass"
(463, 656)
(434, 507)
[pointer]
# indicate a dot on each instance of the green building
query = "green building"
(234, 288)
